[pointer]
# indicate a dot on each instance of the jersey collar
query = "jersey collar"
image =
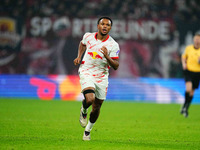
(95, 36)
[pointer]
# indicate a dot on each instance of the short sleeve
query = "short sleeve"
(184, 55)
(84, 40)
(114, 54)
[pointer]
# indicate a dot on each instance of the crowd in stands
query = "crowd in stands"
(126, 9)
(186, 14)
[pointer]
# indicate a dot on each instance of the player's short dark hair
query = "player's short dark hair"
(104, 18)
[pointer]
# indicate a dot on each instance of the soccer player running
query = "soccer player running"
(191, 67)
(101, 52)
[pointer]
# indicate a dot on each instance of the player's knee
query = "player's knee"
(90, 99)
(89, 95)
(189, 90)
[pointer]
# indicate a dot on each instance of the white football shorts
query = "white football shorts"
(100, 85)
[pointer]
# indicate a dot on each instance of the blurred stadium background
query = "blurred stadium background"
(39, 41)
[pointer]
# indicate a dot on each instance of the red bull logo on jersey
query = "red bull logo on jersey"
(95, 55)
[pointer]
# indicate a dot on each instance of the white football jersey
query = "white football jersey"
(94, 63)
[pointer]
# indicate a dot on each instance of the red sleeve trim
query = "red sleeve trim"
(82, 62)
(114, 57)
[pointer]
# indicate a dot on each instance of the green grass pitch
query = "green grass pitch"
(52, 125)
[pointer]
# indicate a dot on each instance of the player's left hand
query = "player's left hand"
(104, 51)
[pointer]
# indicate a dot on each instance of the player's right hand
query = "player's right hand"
(77, 61)
(184, 66)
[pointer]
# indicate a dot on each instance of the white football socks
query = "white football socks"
(89, 126)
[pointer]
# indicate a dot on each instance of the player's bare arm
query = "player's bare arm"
(184, 64)
(81, 50)
(112, 62)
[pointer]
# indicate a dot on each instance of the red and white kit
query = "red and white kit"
(94, 68)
